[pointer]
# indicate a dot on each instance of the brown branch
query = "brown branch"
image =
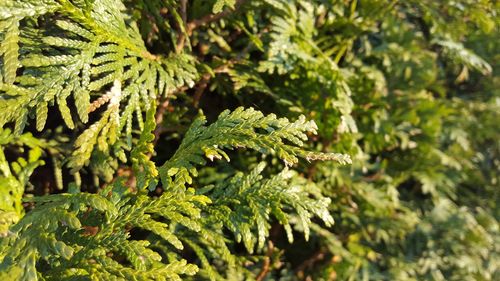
(162, 108)
(211, 17)
(184, 10)
(203, 83)
(266, 264)
(182, 31)
(199, 91)
(224, 68)
(199, 22)
(160, 113)
(205, 79)
(316, 257)
(128, 173)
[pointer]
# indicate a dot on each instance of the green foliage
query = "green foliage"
(15, 175)
(246, 202)
(82, 235)
(219, 5)
(242, 128)
(76, 233)
(80, 54)
(140, 140)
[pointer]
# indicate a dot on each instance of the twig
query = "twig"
(205, 79)
(182, 33)
(318, 256)
(221, 69)
(199, 91)
(184, 10)
(211, 18)
(199, 22)
(159, 117)
(203, 82)
(266, 264)
(160, 112)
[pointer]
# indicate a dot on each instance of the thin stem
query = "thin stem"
(181, 41)
(266, 265)
(199, 22)
(211, 17)
(309, 263)
(199, 91)
(160, 113)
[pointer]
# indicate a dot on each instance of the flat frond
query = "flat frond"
(242, 128)
(78, 56)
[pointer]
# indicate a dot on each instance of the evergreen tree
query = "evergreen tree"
(249, 140)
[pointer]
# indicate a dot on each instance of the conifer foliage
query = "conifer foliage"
(249, 140)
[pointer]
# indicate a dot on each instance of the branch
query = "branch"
(266, 263)
(199, 91)
(182, 34)
(203, 82)
(309, 263)
(160, 112)
(199, 22)
(211, 18)
(184, 10)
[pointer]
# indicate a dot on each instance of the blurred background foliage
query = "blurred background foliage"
(410, 90)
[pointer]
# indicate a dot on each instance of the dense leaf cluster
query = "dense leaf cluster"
(141, 140)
